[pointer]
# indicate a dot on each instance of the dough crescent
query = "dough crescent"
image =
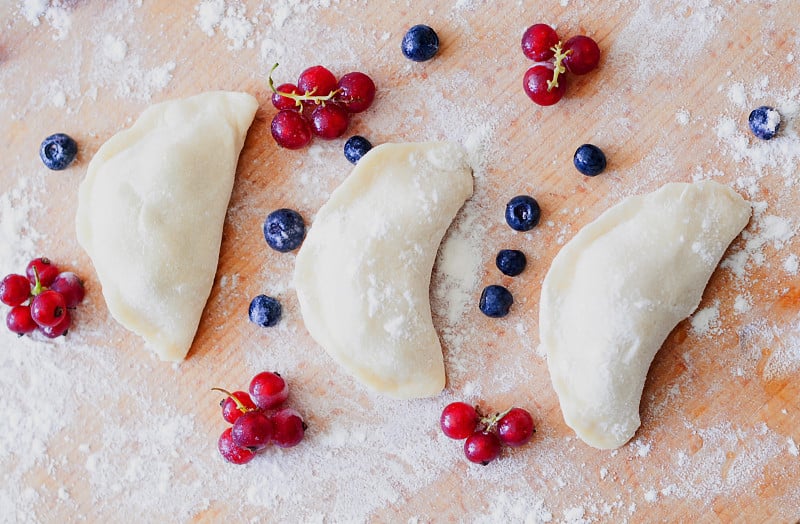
(617, 289)
(151, 210)
(363, 272)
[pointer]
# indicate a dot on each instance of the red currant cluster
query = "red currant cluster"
(317, 105)
(486, 434)
(578, 55)
(258, 419)
(49, 294)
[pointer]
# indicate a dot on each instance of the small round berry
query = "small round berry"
(316, 80)
(420, 43)
(535, 84)
(58, 329)
(330, 121)
(230, 451)
(523, 213)
(70, 286)
(584, 55)
(458, 420)
(764, 122)
(515, 428)
(268, 390)
(356, 147)
(284, 102)
(19, 320)
(356, 92)
(14, 289)
(265, 311)
(284, 230)
(252, 430)
(48, 308)
(230, 409)
(538, 42)
(482, 447)
(495, 301)
(589, 160)
(289, 428)
(46, 271)
(511, 262)
(58, 151)
(290, 129)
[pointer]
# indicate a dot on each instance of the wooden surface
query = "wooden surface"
(134, 438)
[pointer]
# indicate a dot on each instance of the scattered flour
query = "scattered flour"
(54, 12)
(791, 264)
(706, 321)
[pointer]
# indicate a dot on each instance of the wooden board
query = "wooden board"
(97, 429)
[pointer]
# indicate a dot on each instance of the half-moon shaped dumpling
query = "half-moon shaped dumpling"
(617, 289)
(151, 210)
(363, 273)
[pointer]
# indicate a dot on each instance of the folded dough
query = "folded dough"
(617, 289)
(151, 210)
(363, 273)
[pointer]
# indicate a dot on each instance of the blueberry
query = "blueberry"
(496, 301)
(523, 213)
(420, 43)
(284, 230)
(356, 147)
(58, 151)
(265, 311)
(589, 160)
(764, 122)
(511, 262)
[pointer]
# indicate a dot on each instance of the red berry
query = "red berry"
(356, 92)
(48, 308)
(288, 427)
(284, 102)
(252, 430)
(459, 420)
(231, 411)
(290, 129)
(231, 452)
(515, 428)
(70, 286)
(59, 329)
(482, 447)
(330, 121)
(538, 41)
(536, 87)
(19, 320)
(268, 390)
(14, 290)
(316, 80)
(584, 55)
(46, 270)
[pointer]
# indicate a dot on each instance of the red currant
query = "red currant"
(288, 427)
(537, 87)
(252, 430)
(19, 320)
(231, 452)
(48, 308)
(59, 329)
(290, 129)
(459, 420)
(70, 286)
(583, 55)
(46, 270)
(538, 42)
(515, 428)
(230, 409)
(317, 80)
(482, 447)
(356, 92)
(330, 121)
(14, 289)
(268, 390)
(284, 102)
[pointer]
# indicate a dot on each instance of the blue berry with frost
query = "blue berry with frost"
(356, 147)
(420, 43)
(58, 151)
(265, 311)
(284, 230)
(764, 122)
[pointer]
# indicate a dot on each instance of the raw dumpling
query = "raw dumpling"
(151, 209)
(616, 290)
(363, 273)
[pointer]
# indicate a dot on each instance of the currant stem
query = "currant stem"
(38, 288)
(241, 407)
(299, 99)
(491, 420)
(558, 67)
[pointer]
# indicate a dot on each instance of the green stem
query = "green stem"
(491, 420)
(558, 66)
(38, 288)
(241, 407)
(299, 99)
